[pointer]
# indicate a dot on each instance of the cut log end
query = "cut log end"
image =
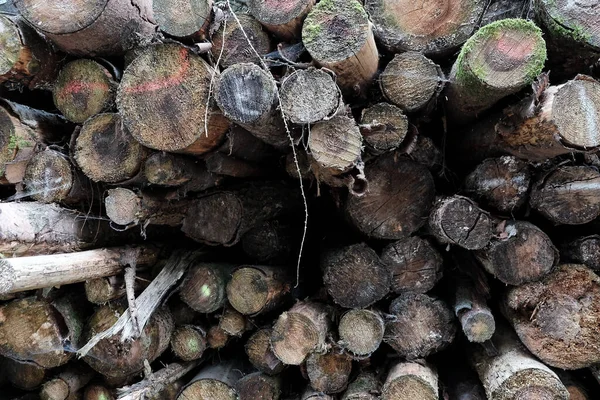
(258, 386)
(48, 177)
(329, 372)
(283, 18)
(260, 354)
(205, 389)
(478, 325)
(411, 381)
(248, 290)
(578, 97)
(204, 285)
(361, 331)
(384, 127)
(10, 44)
(97, 392)
(56, 389)
(123, 206)
(183, 18)
(188, 343)
(336, 144)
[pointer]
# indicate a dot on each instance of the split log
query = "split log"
(300, 331)
(67, 384)
(555, 318)
(416, 266)
(257, 289)
(83, 89)
(412, 81)
(97, 392)
(260, 354)
(513, 373)
(145, 100)
(458, 220)
(338, 36)
(383, 127)
(271, 242)
(284, 20)
(401, 193)
(365, 387)
(568, 195)
(229, 39)
(476, 318)
(188, 342)
(258, 386)
(104, 27)
(204, 286)
(361, 332)
(247, 95)
(329, 372)
(126, 207)
(183, 19)
(232, 322)
(500, 59)
(501, 183)
(22, 375)
(584, 250)
(27, 59)
(27, 273)
(355, 276)
(215, 382)
(309, 95)
(172, 170)
(520, 253)
(421, 325)
(411, 381)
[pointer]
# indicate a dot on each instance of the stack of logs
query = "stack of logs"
(299, 199)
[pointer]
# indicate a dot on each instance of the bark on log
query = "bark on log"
(411, 381)
(412, 81)
(500, 59)
(300, 331)
(501, 183)
(520, 253)
(97, 392)
(555, 318)
(257, 289)
(366, 386)
(476, 318)
(584, 250)
(400, 195)
(258, 386)
(125, 207)
(104, 27)
(188, 342)
(271, 242)
(383, 127)
(361, 332)
(416, 266)
(83, 89)
(260, 354)
(204, 286)
(22, 375)
(67, 384)
(285, 19)
(355, 276)
(329, 372)
(338, 36)
(172, 170)
(568, 195)
(183, 18)
(421, 325)
(215, 382)
(145, 100)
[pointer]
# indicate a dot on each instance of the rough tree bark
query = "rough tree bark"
(283, 19)
(257, 289)
(411, 381)
(361, 332)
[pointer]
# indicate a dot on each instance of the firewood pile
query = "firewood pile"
(299, 199)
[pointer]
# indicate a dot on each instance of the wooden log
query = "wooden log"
(172, 170)
(256, 289)
(300, 331)
(232, 322)
(271, 242)
(247, 95)
(216, 337)
(519, 253)
(476, 318)
(338, 36)
(258, 386)
(366, 386)
(285, 19)
(415, 264)
(562, 332)
(204, 286)
(104, 27)
(67, 384)
(383, 127)
(183, 19)
(311, 394)
(260, 354)
(434, 29)
(500, 59)
(401, 193)
(36, 331)
(126, 207)
(501, 183)
(575, 387)
(229, 38)
(218, 163)
(83, 89)
(355, 276)
(422, 325)
(22, 375)
(458, 220)
(309, 95)
(567, 195)
(102, 290)
(513, 373)
(214, 382)
(116, 359)
(27, 59)
(361, 332)
(412, 81)
(97, 392)
(583, 250)
(188, 342)
(411, 381)
(329, 372)
(222, 217)
(144, 99)
(27, 273)
(426, 152)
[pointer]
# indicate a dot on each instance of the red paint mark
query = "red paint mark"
(513, 49)
(78, 86)
(282, 5)
(172, 80)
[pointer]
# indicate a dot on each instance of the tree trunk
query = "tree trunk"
(285, 20)
(204, 286)
(361, 332)
(519, 253)
(104, 27)
(415, 264)
(188, 342)
(257, 289)
(215, 382)
(329, 372)
(355, 276)
(412, 82)
(366, 386)
(125, 207)
(183, 19)
(411, 381)
(584, 250)
(421, 325)
(555, 318)
(383, 127)
(145, 96)
(338, 36)
(67, 384)
(22, 375)
(258, 386)
(300, 331)
(260, 354)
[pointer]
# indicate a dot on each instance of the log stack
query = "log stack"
(299, 199)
